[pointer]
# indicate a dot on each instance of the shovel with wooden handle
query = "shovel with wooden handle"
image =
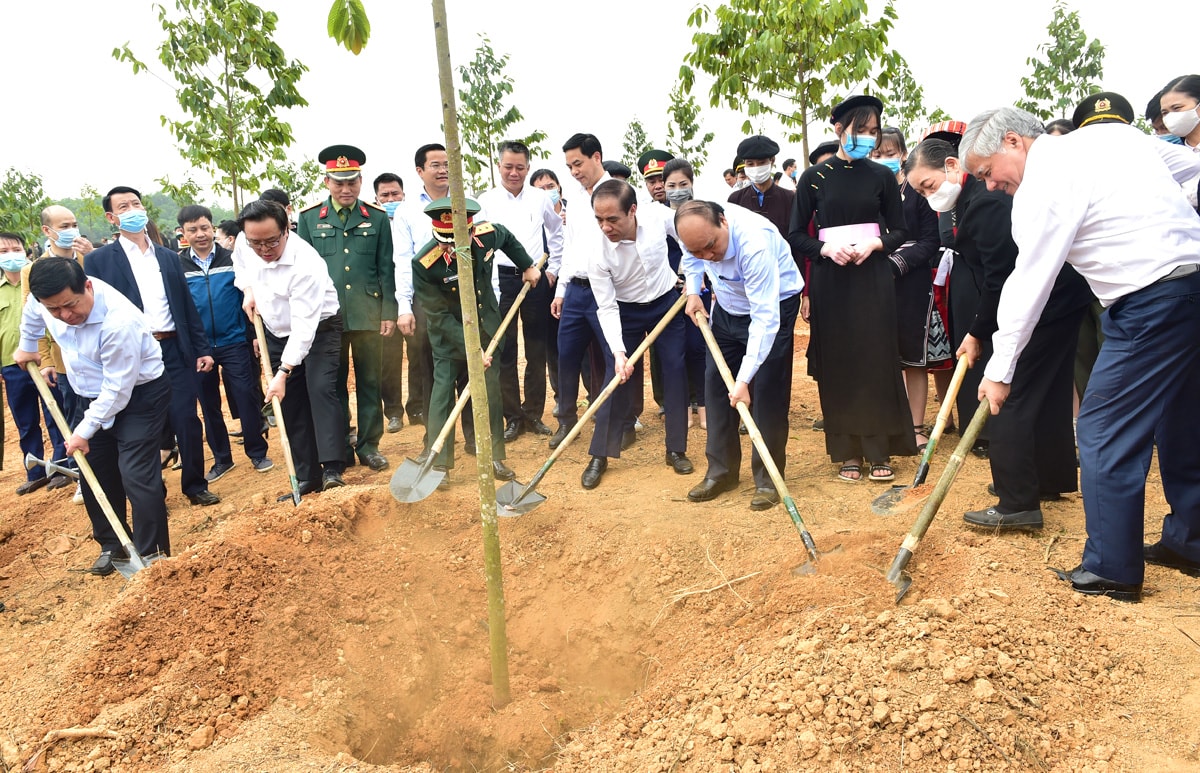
(413, 481)
(893, 500)
(135, 562)
(789, 504)
(898, 575)
(261, 334)
(513, 498)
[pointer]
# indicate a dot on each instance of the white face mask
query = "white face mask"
(758, 174)
(1180, 124)
(946, 196)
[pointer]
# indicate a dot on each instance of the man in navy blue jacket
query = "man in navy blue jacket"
(151, 278)
(208, 268)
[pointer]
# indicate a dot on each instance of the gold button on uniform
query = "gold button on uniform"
(347, 250)
(347, 287)
(347, 268)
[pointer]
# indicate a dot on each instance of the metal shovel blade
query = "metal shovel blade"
(898, 575)
(410, 484)
(512, 499)
(135, 563)
(885, 503)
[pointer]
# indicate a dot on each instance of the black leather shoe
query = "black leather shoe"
(31, 485)
(469, 447)
(513, 430)
(628, 438)
(103, 565)
(711, 488)
(1090, 584)
(376, 461)
(594, 472)
(537, 427)
(560, 435)
(1161, 555)
(991, 489)
(204, 498)
(991, 518)
(422, 457)
(444, 483)
(764, 499)
(501, 471)
(306, 487)
(57, 480)
(980, 450)
(331, 479)
(679, 462)
(416, 419)
(394, 424)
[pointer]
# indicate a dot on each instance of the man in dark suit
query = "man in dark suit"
(150, 276)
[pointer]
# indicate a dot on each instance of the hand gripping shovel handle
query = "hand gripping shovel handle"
(135, 559)
(604, 395)
(261, 334)
(943, 417)
(921, 525)
(757, 438)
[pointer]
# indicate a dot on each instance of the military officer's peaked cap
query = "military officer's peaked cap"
(1105, 107)
(443, 223)
(652, 162)
(757, 147)
(342, 162)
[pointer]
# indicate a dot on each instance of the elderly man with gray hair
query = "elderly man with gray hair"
(1107, 201)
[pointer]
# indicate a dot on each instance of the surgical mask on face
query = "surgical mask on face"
(1171, 138)
(1182, 123)
(946, 196)
(554, 195)
(134, 221)
(758, 174)
(737, 186)
(13, 261)
(679, 195)
(390, 207)
(858, 146)
(891, 163)
(67, 237)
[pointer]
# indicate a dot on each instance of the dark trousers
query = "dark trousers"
(694, 356)
(240, 371)
(367, 349)
(25, 403)
(312, 411)
(637, 320)
(579, 328)
(183, 421)
(1032, 448)
(391, 388)
(770, 395)
(534, 313)
(1142, 390)
(125, 460)
(450, 379)
(420, 365)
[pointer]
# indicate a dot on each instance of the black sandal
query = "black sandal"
(881, 473)
(919, 429)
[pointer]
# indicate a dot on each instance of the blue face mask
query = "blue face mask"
(13, 261)
(891, 163)
(1171, 138)
(554, 195)
(67, 237)
(390, 207)
(858, 146)
(134, 221)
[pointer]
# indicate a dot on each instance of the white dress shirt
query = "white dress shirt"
(582, 241)
(1105, 199)
(632, 271)
(757, 272)
(148, 275)
(106, 355)
(293, 294)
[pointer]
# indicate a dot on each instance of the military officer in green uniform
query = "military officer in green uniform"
(435, 284)
(355, 239)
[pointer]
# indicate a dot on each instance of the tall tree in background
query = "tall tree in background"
(684, 127)
(21, 203)
(788, 58)
(233, 82)
(904, 106)
(634, 144)
(484, 119)
(1072, 69)
(299, 181)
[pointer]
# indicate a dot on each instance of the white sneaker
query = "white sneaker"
(637, 425)
(78, 498)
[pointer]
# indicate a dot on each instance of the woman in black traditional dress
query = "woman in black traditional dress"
(853, 353)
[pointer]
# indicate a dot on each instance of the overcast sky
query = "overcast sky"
(578, 66)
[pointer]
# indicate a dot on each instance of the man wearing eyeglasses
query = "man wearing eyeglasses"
(355, 239)
(288, 285)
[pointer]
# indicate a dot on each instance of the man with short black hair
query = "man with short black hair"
(763, 195)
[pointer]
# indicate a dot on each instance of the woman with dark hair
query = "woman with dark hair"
(1180, 102)
(547, 180)
(855, 206)
(678, 177)
(1059, 126)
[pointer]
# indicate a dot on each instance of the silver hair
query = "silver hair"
(986, 131)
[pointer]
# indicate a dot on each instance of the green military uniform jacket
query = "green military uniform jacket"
(358, 255)
(435, 283)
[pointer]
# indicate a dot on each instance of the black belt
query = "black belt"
(580, 281)
(332, 322)
(1187, 269)
(509, 270)
(669, 294)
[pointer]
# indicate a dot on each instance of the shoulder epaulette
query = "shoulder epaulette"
(373, 205)
(310, 206)
(428, 259)
(484, 228)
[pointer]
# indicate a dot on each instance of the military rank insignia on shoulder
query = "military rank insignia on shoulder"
(431, 257)
(484, 228)
(373, 205)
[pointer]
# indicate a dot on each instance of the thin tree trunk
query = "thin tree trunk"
(479, 401)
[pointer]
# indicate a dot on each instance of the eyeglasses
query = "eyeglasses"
(265, 244)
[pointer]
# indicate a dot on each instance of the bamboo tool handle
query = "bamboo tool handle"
(135, 559)
(260, 334)
(943, 416)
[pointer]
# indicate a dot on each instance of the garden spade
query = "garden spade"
(893, 500)
(898, 575)
(789, 504)
(514, 499)
(261, 334)
(413, 480)
(126, 566)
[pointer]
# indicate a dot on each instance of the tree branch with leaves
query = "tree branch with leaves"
(1072, 69)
